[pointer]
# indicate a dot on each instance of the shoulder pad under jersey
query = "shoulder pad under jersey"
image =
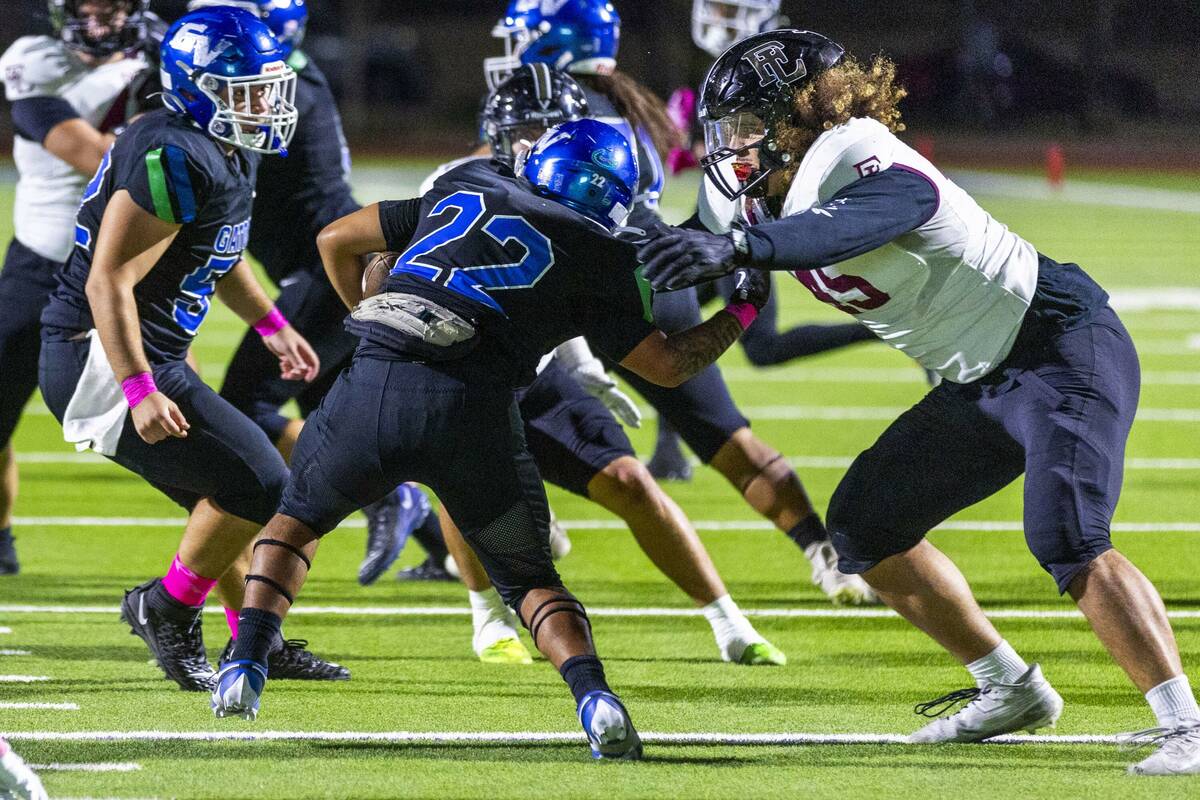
(34, 66)
(838, 158)
(427, 184)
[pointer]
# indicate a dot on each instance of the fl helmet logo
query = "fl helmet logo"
(772, 65)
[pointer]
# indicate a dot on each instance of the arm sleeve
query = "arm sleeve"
(399, 219)
(865, 215)
(164, 181)
(34, 117)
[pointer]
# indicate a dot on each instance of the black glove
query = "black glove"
(678, 258)
(752, 286)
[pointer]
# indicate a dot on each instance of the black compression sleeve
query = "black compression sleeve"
(865, 215)
(34, 117)
(399, 219)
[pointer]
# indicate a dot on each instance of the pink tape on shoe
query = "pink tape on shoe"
(138, 387)
(271, 324)
(744, 313)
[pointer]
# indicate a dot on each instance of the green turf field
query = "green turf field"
(851, 675)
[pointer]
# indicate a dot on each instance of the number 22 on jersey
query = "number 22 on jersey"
(475, 282)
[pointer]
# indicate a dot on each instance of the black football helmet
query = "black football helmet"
(78, 32)
(747, 92)
(535, 98)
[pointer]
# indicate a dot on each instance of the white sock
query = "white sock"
(491, 619)
(1173, 703)
(1002, 665)
(731, 628)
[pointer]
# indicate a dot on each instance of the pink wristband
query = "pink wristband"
(271, 324)
(744, 313)
(138, 387)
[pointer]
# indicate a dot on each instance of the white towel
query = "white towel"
(96, 414)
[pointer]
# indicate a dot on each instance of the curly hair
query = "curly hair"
(845, 91)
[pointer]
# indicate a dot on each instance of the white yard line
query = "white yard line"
(128, 766)
(15, 653)
(1085, 192)
(23, 678)
(601, 611)
(518, 737)
(5, 630)
(39, 706)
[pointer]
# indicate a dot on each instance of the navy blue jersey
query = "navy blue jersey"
(530, 272)
(173, 170)
(650, 168)
(301, 193)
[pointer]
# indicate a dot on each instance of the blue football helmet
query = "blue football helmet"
(287, 19)
(579, 36)
(223, 67)
(587, 166)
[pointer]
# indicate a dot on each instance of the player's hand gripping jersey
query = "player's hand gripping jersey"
(173, 170)
(47, 84)
(526, 272)
(906, 251)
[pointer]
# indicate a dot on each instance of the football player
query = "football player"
(69, 93)
(571, 432)
(804, 173)
(17, 780)
(497, 269)
(161, 229)
(581, 37)
(295, 198)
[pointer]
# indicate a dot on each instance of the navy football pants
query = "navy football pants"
(447, 426)
(1058, 409)
(25, 286)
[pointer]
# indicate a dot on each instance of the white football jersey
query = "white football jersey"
(952, 293)
(48, 188)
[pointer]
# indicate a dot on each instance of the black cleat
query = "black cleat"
(175, 639)
(427, 570)
(669, 463)
(294, 662)
(8, 556)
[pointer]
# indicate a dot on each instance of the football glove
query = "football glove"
(589, 372)
(751, 286)
(676, 258)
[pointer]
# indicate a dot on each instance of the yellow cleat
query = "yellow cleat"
(505, 651)
(762, 654)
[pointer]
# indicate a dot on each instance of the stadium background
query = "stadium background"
(1112, 83)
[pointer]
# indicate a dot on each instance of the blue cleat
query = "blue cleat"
(390, 521)
(239, 689)
(609, 729)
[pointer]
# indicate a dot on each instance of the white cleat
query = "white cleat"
(996, 709)
(842, 589)
(17, 780)
(560, 543)
(1178, 751)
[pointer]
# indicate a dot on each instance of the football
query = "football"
(376, 273)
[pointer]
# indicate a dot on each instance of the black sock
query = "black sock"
(6, 536)
(809, 530)
(584, 674)
(429, 535)
(258, 632)
(159, 599)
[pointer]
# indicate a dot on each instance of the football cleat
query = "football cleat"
(842, 589)
(762, 654)
(609, 729)
(293, 661)
(997, 708)
(560, 543)
(17, 780)
(427, 570)
(390, 521)
(669, 462)
(9, 565)
(508, 650)
(1178, 750)
(175, 640)
(238, 689)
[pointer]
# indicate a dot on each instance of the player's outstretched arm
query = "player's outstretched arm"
(671, 360)
(241, 291)
(130, 242)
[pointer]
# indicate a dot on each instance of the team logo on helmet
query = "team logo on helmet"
(772, 65)
(603, 158)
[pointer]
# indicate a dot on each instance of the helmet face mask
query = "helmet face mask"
(718, 24)
(99, 28)
(223, 68)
